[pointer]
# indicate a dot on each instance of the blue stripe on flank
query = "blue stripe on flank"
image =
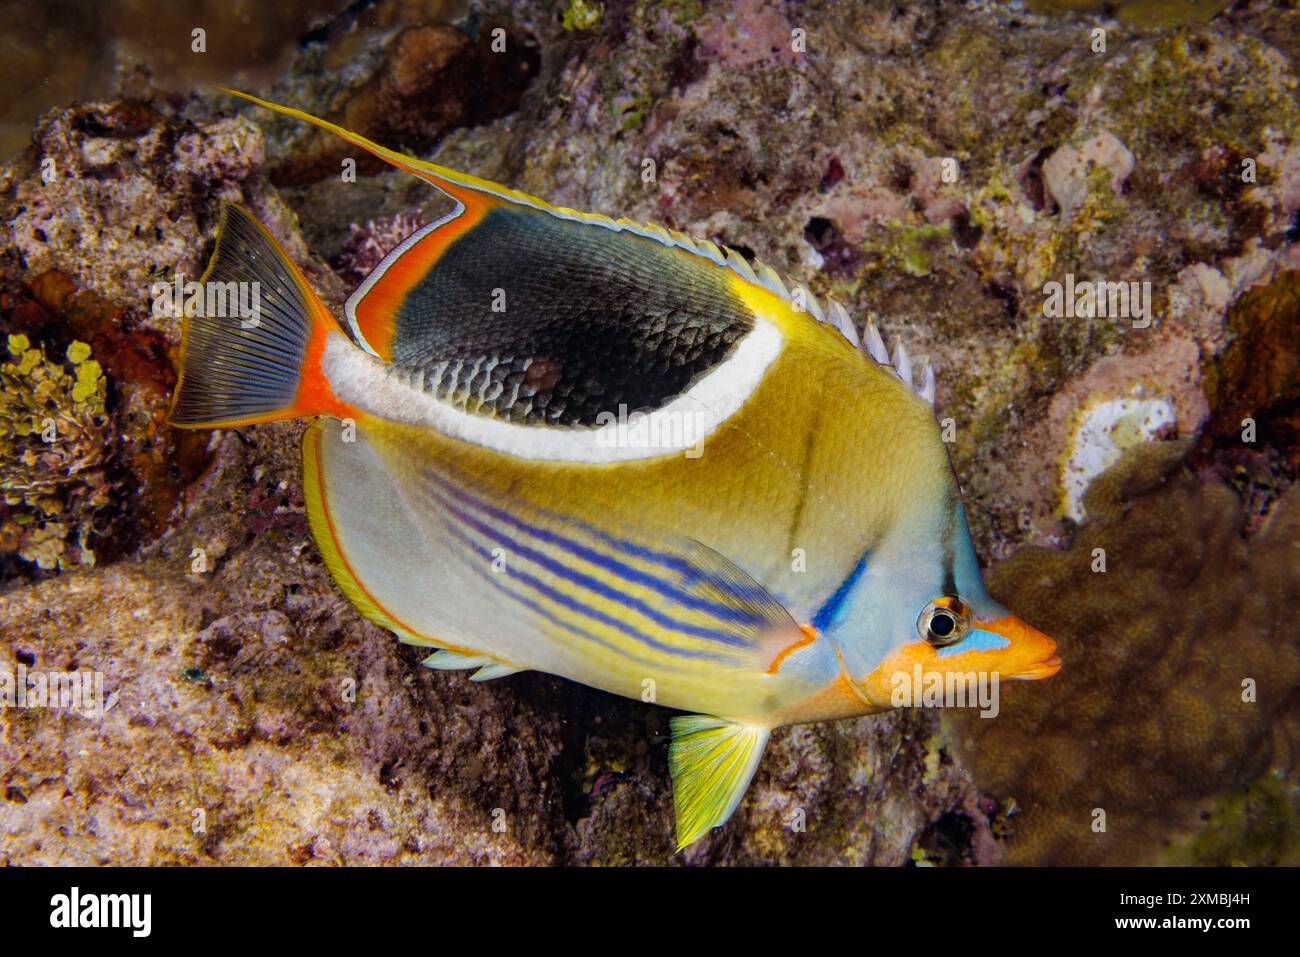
(977, 640)
(560, 598)
(829, 612)
(719, 611)
(568, 626)
(627, 572)
(494, 579)
(601, 589)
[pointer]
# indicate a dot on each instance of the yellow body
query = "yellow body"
(794, 505)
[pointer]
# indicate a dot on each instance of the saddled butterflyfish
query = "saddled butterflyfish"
(550, 440)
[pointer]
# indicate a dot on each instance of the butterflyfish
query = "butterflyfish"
(549, 440)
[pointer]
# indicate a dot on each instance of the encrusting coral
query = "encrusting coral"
(1181, 661)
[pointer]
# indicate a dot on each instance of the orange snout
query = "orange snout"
(1031, 654)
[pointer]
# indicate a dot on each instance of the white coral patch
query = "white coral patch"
(1105, 431)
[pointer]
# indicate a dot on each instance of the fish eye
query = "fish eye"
(944, 621)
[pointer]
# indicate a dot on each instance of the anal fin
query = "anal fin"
(712, 761)
(488, 667)
(444, 660)
(494, 670)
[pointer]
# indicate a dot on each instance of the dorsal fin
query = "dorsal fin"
(370, 309)
(873, 346)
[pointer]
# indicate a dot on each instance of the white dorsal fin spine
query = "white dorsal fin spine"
(741, 265)
(767, 276)
(681, 239)
(873, 345)
(814, 306)
(839, 316)
(710, 250)
(661, 234)
(902, 363)
(927, 384)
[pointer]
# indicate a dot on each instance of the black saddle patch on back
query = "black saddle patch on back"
(535, 319)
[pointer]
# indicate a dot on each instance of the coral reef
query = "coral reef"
(1257, 375)
(932, 168)
(1252, 827)
(367, 245)
(113, 199)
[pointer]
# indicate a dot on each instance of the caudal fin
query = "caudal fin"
(253, 336)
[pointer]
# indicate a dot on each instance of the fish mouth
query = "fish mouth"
(1043, 669)
(1028, 643)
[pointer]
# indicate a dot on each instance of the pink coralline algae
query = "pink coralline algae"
(367, 245)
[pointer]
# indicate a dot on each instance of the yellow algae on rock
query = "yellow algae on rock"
(581, 15)
(54, 441)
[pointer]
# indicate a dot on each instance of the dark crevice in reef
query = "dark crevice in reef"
(947, 840)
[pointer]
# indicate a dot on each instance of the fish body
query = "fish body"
(547, 440)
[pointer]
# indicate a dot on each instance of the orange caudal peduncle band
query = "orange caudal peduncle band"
(315, 394)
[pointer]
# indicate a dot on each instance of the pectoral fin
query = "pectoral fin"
(712, 761)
